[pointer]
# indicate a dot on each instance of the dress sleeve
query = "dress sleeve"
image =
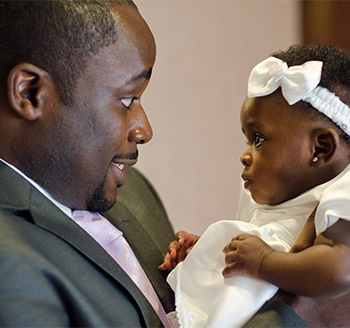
(334, 203)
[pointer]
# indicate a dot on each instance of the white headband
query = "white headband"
(298, 83)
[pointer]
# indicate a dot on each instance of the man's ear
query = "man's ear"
(326, 143)
(27, 87)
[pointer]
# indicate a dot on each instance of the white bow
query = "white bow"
(296, 82)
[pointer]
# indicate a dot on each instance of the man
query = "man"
(71, 77)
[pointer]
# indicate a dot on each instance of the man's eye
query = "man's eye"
(127, 101)
(258, 140)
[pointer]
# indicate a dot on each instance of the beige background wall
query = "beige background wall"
(206, 50)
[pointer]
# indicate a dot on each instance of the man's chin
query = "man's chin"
(100, 207)
(100, 203)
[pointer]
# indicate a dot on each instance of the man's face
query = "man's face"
(277, 160)
(87, 144)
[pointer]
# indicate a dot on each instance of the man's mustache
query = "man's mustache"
(130, 156)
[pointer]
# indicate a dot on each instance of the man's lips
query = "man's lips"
(119, 166)
(120, 170)
(121, 163)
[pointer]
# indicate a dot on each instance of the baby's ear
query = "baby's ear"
(26, 86)
(326, 143)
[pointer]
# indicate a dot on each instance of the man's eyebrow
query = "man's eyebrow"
(143, 75)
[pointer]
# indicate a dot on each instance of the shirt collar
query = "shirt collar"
(66, 210)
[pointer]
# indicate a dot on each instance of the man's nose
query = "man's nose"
(141, 130)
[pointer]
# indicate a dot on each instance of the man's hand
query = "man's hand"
(245, 255)
(307, 236)
(178, 250)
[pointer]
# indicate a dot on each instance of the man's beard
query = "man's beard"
(98, 201)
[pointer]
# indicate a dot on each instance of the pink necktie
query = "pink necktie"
(112, 240)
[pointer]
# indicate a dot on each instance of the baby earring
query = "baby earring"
(315, 159)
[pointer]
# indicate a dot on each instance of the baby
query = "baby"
(297, 123)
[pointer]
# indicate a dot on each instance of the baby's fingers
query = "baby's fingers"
(233, 244)
(181, 236)
(168, 263)
(229, 270)
(189, 249)
(173, 248)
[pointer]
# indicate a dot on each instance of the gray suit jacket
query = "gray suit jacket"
(53, 274)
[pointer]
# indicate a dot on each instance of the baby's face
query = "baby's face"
(277, 160)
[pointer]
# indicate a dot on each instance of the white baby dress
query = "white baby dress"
(204, 298)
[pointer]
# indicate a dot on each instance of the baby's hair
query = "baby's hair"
(335, 71)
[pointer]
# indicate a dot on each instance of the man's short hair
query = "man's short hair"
(58, 36)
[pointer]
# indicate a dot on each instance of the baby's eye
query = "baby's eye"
(258, 139)
(127, 101)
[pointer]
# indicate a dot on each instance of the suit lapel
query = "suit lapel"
(68, 230)
(18, 194)
(14, 190)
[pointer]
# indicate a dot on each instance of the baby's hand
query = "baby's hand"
(178, 249)
(245, 255)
